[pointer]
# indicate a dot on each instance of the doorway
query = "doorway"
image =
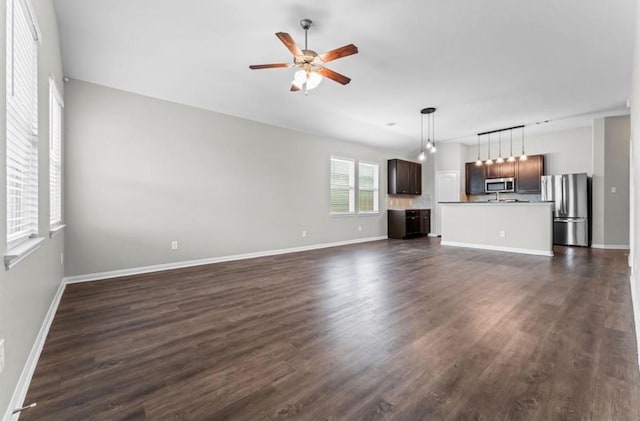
(447, 190)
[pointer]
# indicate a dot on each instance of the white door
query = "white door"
(447, 190)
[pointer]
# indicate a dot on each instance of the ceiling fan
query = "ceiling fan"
(310, 64)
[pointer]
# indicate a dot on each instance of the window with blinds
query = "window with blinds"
(55, 155)
(342, 186)
(367, 187)
(22, 122)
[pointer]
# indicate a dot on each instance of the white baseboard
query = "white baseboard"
(20, 392)
(433, 234)
(611, 246)
(498, 248)
(178, 265)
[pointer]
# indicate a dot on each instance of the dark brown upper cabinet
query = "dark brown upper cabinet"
(404, 177)
(474, 176)
(506, 169)
(529, 173)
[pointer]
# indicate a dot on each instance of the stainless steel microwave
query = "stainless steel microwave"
(493, 185)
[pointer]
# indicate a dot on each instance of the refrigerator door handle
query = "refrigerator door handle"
(563, 196)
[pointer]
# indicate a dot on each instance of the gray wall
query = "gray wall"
(611, 169)
(26, 291)
(635, 171)
(616, 167)
(597, 182)
(142, 172)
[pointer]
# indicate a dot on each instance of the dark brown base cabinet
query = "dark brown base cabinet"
(406, 223)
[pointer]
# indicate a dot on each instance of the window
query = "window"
(342, 186)
(343, 178)
(22, 123)
(367, 187)
(55, 155)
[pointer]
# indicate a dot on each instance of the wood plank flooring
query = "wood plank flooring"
(388, 330)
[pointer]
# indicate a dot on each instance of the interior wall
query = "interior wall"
(616, 167)
(143, 172)
(565, 151)
(450, 157)
(597, 182)
(635, 164)
(27, 290)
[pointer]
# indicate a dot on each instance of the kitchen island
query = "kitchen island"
(517, 227)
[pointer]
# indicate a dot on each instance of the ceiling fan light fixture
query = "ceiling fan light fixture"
(310, 64)
(306, 79)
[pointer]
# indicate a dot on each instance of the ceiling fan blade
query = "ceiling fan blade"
(269, 66)
(335, 76)
(294, 88)
(289, 43)
(345, 51)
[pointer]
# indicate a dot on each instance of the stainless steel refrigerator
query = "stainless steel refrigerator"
(570, 193)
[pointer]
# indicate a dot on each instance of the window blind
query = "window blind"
(342, 186)
(22, 123)
(55, 154)
(368, 187)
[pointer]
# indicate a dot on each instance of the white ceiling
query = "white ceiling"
(484, 64)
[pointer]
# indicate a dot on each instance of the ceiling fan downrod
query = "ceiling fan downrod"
(306, 24)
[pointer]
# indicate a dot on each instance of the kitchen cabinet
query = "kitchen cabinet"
(526, 173)
(406, 223)
(529, 173)
(474, 176)
(504, 170)
(404, 177)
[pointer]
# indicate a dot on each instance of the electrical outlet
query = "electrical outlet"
(174, 245)
(502, 234)
(1, 355)
(613, 189)
(359, 227)
(304, 233)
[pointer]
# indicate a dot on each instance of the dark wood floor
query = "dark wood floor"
(394, 329)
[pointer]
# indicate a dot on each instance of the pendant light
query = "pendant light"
(422, 155)
(511, 157)
(479, 161)
(500, 160)
(488, 161)
(429, 145)
(523, 157)
(433, 134)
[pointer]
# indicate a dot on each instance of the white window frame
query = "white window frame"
(351, 186)
(375, 190)
(23, 37)
(56, 119)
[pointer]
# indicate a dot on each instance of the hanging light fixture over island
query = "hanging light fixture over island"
(500, 159)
